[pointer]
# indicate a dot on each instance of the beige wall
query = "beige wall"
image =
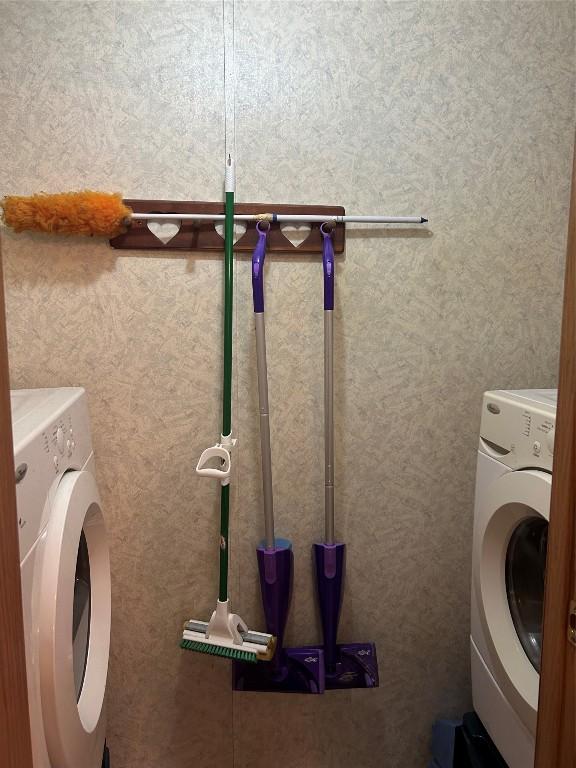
(463, 111)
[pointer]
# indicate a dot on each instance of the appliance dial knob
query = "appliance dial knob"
(550, 440)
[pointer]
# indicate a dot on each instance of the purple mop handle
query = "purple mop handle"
(258, 268)
(329, 556)
(328, 262)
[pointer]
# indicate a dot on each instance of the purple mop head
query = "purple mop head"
(300, 670)
(292, 670)
(348, 665)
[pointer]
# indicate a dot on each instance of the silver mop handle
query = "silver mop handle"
(329, 425)
(265, 448)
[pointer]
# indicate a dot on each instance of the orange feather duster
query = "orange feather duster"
(68, 213)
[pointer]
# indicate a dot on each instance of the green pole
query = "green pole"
(228, 299)
(227, 384)
(224, 523)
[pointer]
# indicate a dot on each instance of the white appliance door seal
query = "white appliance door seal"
(513, 498)
(73, 703)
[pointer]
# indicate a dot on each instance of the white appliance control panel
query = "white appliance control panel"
(517, 427)
(58, 440)
(51, 432)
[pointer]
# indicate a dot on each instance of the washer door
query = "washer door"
(510, 582)
(74, 631)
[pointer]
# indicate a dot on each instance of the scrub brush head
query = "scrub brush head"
(68, 213)
(236, 654)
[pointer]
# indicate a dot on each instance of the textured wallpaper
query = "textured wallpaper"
(461, 111)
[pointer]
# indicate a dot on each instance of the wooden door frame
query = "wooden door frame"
(15, 747)
(555, 742)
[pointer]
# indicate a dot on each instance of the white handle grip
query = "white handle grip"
(217, 451)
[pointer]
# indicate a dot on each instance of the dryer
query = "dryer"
(65, 573)
(512, 507)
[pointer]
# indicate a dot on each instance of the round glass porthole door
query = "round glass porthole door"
(81, 615)
(525, 574)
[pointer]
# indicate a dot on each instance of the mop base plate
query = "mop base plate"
(356, 667)
(301, 671)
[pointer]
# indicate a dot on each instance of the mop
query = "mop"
(292, 670)
(226, 634)
(349, 665)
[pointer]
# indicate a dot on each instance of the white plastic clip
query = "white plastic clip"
(219, 451)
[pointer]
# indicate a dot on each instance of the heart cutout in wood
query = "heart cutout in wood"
(296, 233)
(239, 229)
(164, 230)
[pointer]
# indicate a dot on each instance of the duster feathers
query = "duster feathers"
(68, 213)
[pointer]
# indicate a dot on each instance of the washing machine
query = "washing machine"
(65, 572)
(512, 505)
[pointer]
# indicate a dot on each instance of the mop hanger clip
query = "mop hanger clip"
(219, 451)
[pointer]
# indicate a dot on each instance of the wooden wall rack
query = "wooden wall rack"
(202, 235)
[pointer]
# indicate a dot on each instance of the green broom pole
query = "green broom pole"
(227, 388)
